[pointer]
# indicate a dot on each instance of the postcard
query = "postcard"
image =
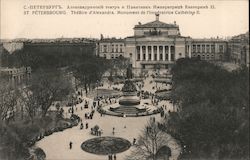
(124, 79)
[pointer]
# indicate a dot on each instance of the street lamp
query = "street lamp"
(97, 83)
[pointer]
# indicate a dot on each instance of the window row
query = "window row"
(114, 48)
(112, 56)
(207, 48)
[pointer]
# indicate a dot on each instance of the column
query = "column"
(152, 53)
(146, 53)
(158, 53)
(141, 53)
(169, 53)
(19, 78)
(189, 51)
(164, 54)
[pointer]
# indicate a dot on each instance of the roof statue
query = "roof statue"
(157, 24)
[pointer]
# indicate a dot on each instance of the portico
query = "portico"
(155, 52)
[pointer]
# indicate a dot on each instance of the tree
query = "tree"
(49, 86)
(151, 140)
(214, 118)
(120, 65)
(8, 100)
(90, 71)
(30, 103)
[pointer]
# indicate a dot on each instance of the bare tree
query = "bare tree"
(8, 100)
(120, 65)
(30, 103)
(149, 142)
(89, 72)
(48, 87)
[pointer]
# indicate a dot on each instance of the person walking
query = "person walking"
(70, 145)
(134, 141)
(81, 126)
(114, 156)
(87, 126)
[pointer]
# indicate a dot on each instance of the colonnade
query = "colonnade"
(155, 52)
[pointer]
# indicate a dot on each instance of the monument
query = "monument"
(129, 91)
(129, 105)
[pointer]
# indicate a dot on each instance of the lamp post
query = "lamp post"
(97, 83)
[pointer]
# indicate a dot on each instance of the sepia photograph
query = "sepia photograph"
(124, 80)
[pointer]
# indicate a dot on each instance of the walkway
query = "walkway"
(56, 146)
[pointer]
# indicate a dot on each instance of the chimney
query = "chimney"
(157, 16)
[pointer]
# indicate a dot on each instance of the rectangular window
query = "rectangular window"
(194, 48)
(172, 57)
(149, 57)
(207, 48)
(105, 48)
(166, 49)
(161, 58)
(112, 48)
(138, 52)
(138, 56)
(221, 48)
(144, 57)
(121, 48)
(116, 48)
(198, 48)
(143, 50)
(203, 48)
(149, 49)
(213, 48)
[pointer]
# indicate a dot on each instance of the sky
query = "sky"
(229, 18)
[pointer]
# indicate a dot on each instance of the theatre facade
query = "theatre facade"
(157, 45)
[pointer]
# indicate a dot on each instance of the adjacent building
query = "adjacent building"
(16, 75)
(238, 48)
(111, 48)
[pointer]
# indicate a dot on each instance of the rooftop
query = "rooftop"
(113, 40)
(156, 24)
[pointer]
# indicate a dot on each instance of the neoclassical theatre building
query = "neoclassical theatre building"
(157, 45)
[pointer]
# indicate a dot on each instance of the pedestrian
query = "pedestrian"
(114, 156)
(113, 130)
(87, 126)
(110, 156)
(70, 145)
(134, 141)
